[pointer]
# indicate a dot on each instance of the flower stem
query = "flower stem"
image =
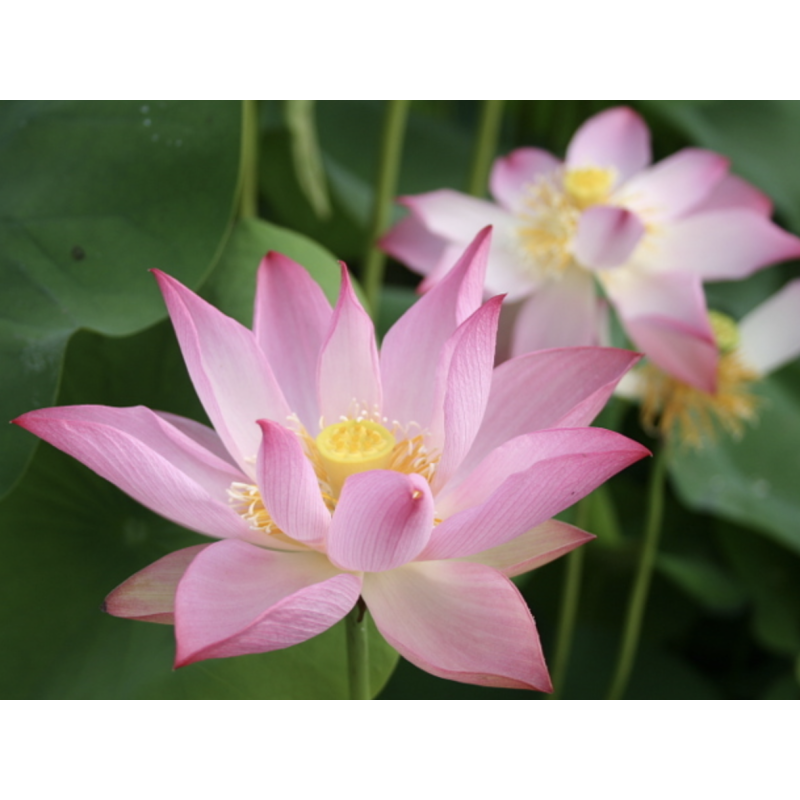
(358, 652)
(394, 129)
(248, 175)
(641, 586)
(485, 146)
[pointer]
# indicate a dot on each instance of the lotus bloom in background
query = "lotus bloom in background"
(419, 479)
(648, 235)
(747, 351)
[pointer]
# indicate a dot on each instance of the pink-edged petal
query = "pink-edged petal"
(617, 138)
(412, 347)
(149, 595)
(149, 459)
(290, 321)
(735, 192)
(770, 333)
(464, 380)
(607, 236)
(289, 486)
(206, 437)
(719, 245)
(512, 175)
(563, 312)
(675, 185)
(382, 520)
(534, 549)
(523, 483)
(547, 389)
(349, 381)
(230, 373)
(411, 243)
(465, 622)
(236, 599)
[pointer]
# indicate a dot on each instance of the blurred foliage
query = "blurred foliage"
(95, 194)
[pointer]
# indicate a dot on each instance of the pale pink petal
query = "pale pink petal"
(607, 236)
(291, 319)
(523, 483)
(512, 175)
(149, 595)
(547, 389)
(349, 381)
(563, 312)
(411, 243)
(675, 185)
(382, 520)
(153, 462)
(735, 192)
(230, 373)
(289, 486)
(206, 437)
(616, 138)
(236, 599)
(719, 245)
(465, 622)
(534, 549)
(770, 333)
(412, 347)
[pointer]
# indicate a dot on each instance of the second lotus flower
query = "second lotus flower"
(419, 479)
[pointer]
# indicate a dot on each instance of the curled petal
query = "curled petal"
(607, 236)
(512, 175)
(770, 333)
(465, 622)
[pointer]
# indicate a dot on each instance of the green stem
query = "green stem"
(485, 146)
(394, 129)
(358, 652)
(570, 597)
(248, 176)
(641, 586)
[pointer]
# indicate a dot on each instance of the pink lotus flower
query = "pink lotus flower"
(419, 479)
(648, 235)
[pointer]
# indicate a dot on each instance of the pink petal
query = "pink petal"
(383, 519)
(607, 236)
(206, 437)
(770, 334)
(548, 389)
(719, 245)
(523, 483)
(563, 312)
(349, 381)
(675, 185)
(150, 460)
(411, 243)
(289, 486)
(412, 347)
(616, 138)
(291, 319)
(149, 595)
(534, 549)
(465, 622)
(228, 370)
(236, 599)
(735, 192)
(513, 175)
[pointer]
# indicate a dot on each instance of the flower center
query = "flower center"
(346, 448)
(726, 331)
(588, 186)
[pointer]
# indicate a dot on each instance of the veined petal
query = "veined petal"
(149, 459)
(719, 245)
(410, 242)
(289, 486)
(383, 520)
(206, 437)
(616, 138)
(770, 333)
(349, 380)
(513, 174)
(290, 321)
(412, 347)
(523, 483)
(533, 549)
(149, 595)
(735, 192)
(607, 236)
(230, 373)
(675, 185)
(465, 622)
(547, 389)
(239, 599)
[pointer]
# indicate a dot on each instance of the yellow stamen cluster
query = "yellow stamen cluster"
(588, 186)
